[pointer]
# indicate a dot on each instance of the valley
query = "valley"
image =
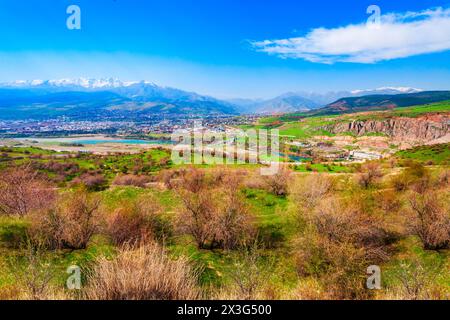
(352, 189)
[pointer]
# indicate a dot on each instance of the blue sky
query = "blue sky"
(229, 48)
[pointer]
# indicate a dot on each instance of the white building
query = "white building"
(362, 155)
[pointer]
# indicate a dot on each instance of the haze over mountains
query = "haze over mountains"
(111, 98)
(305, 101)
(91, 98)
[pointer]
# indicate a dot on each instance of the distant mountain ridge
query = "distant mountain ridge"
(84, 98)
(305, 101)
(91, 99)
(382, 102)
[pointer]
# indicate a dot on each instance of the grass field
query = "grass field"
(299, 250)
(301, 126)
(435, 154)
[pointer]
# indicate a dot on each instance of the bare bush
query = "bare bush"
(214, 214)
(196, 217)
(387, 201)
(277, 184)
(432, 220)
(310, 190)
(22, 191)
(233, 223)
(135, 222)
(70, 224)
(416, 281)
(131, 180)
(370, 174)
(337, 245)
(169, 178)
(91, 181)
(347, 223)
(444, 178)
(34, 274)
(143, 273)
(249, 275)
(415, 176)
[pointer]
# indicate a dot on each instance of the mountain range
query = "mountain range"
(91, 98)
(305, 101)
(111, 98)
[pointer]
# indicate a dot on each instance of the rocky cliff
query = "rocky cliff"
(424, 128)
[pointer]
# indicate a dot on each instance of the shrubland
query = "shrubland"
(191, 232)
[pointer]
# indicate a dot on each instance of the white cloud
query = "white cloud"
(398, 36)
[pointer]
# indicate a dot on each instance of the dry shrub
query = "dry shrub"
(339, 242)
(22, 191)
(370, 174)
(343, 222)
(169, 178)
(142, 273)
(131, 180)
(432, 219)
(310, 190)
(196, 217)
(277, 184)
(387, 201)
(415, 176)
(214, 215)
(443, 179)
(254, 181)
(135, 222)
(249, 276)
(416, 280)
(309, 289)
(33, 275)
(90, 181)
(233, 223)
(194, 181)
(70, 224)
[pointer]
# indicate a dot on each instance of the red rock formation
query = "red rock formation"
(425, 128)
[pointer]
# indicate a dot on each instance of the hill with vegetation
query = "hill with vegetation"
(304, 125)
(382, 102)
(141, 228)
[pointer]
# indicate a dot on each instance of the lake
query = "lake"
(122, 141)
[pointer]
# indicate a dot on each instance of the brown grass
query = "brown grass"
(142, 273)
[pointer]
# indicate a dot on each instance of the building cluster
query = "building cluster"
(163, 124)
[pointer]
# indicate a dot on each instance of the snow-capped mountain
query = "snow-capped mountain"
(86, 83)
(385, 90)
(127, 98)
(303, 101)
(90, 98)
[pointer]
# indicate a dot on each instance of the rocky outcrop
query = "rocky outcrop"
(424, 128)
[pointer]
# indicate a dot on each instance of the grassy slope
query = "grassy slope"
(276, 220)
(437, 154)
(109, 166)
(301, 128)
